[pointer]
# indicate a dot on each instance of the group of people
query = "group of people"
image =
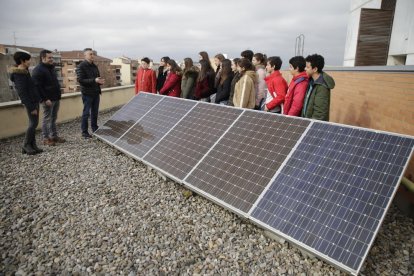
(252, 81)
(42, 88)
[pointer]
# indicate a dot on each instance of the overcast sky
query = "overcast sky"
(179, 28)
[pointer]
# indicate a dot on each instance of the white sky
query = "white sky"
(179, 28)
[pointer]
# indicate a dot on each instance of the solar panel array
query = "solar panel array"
(325, 187)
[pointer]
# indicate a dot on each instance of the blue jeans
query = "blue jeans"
(49, 120)
(90, 107)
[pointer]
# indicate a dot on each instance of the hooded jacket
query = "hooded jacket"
(318, 97)
(46, 82)
(25, 88)
(296, 94)
(145, 81)
(188, 82)
(276, 87)
(87, 73)
(245, 91)
(172, 85)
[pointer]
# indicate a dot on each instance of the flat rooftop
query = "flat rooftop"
(84, 207)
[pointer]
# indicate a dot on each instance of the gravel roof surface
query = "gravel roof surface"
(83, 207)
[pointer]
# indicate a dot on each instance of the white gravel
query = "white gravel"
(84, 208)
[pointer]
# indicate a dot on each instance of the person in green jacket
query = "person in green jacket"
(318, 95)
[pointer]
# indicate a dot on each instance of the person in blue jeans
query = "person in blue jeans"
(47, 84)
(90, 82)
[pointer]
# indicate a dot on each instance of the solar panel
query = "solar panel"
(153, 126)
(241, 165)
(126, 117)
(325, 187)
(181, 149)
(332, 194)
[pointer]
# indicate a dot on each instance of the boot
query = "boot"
(36, 148)
(28, 149)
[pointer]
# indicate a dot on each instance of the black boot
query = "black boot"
(36, 148)
(28, 149)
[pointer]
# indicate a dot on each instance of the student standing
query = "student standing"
(236, 78)
(245, 91)
(162, 73)
(259, 62)
(276, 86)
(297, 87)
(318, 95)
(146, 80)
(172, 84)
(205, 82)
(30, 99)
(189, 78)
(224, 85)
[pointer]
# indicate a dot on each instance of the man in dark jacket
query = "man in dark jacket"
(318, 95)
(90, 82)
(45, 79)
(30, 99)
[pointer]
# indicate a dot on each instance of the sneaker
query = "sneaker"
(49, 142)
(58, 139)
(86, 135)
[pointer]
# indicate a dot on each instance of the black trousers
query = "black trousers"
(30, 138)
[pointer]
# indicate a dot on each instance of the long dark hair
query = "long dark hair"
(246, 64)
(204, 56)
(174, 66)
(205, 69)
(188, 63)
(225, 70)
(261, 58)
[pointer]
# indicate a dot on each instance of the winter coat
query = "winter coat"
(87, 73)
(223, 89)
(261, 84)
(162, 76)
(25, 88)
(188, 83)
(172, 85)
(235, 79)
(295, 95)
(46, 81)
(245, 91)
(318, 97)
(276, 88)
(145, 81)
(205, 87)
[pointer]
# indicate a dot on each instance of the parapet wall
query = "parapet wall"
(13, 118)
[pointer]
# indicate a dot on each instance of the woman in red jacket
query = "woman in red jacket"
(145, 80)
(172, 85)
(205, 82)
(297, 87)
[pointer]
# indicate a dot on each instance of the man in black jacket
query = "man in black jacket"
(90, 82)
(45, 79)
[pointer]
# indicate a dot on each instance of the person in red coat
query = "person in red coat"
(297, 87)
(172, 85)
(146, 80)
(276, 86)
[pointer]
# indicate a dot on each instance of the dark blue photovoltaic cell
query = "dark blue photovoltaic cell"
(126, 117)
(154, 125)
(333, 191)
(181, 149)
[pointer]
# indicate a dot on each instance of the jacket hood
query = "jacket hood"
(301, 75)
(15, 70)
(192, 71)
(252, 74)
(328, 81)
